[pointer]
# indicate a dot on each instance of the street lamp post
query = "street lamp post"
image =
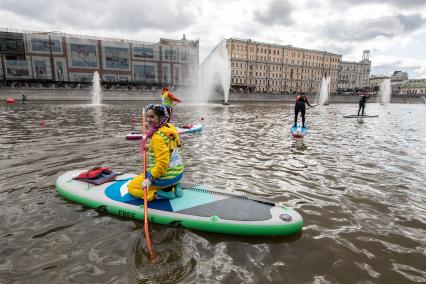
(49, 44)
(60, 75)
(2, 66)
(2, 60)
(171, 67)
(51, 59)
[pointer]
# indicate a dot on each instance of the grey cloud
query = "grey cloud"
(247, 30)
(409, 4)
(389, 67)
(389, 27)
(412, 22)
(277, 13)
(134, 15)
(171, 17)
(337, 49)
(34, 9)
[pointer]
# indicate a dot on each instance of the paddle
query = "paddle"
(145, 189)
(309, 107)
(171, 110)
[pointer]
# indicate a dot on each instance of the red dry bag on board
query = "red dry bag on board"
(97, 176)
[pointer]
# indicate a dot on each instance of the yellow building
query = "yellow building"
(273, 68)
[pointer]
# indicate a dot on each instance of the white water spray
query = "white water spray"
(215, 73)
(323, 98)
(385, 91)
(96, 89)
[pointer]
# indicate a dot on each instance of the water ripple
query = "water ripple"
(358, 183)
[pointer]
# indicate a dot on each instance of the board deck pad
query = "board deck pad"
(198, 201)
(232, 209)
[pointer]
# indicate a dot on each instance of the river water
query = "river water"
(358, 183)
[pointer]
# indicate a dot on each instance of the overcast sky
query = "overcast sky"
(394, 30)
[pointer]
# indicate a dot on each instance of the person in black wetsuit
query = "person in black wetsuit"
(362, 101)
(301, 100)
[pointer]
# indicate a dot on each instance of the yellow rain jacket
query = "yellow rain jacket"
(165, 167)
(165, 100)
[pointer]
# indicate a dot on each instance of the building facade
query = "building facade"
(399, 76)
(355, 75)
(57, 57)
(414, 86)
(376, 80)
(272, 68)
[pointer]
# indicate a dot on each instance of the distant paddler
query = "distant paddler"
(362, 101)
(167, 100)
(300, 106)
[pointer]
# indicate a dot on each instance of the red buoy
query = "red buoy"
(42, 123)
(201, 118)
(10, 100)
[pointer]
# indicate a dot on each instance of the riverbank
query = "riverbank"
(60, 94)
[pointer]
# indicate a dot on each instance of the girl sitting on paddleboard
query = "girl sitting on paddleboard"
(165, 169)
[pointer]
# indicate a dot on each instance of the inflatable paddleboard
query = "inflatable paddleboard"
(200, 207)
(298, 131)
(360, 116)
(181, 130)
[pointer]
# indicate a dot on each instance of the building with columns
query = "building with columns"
(272, 68)
(355, 75)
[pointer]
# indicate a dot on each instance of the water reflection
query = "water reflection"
(299, 145)
(98, 117)
(171, 263)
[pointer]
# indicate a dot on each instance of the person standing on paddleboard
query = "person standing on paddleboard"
(362, 101)
(165, 169)
(300, 106)
(167, 99)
